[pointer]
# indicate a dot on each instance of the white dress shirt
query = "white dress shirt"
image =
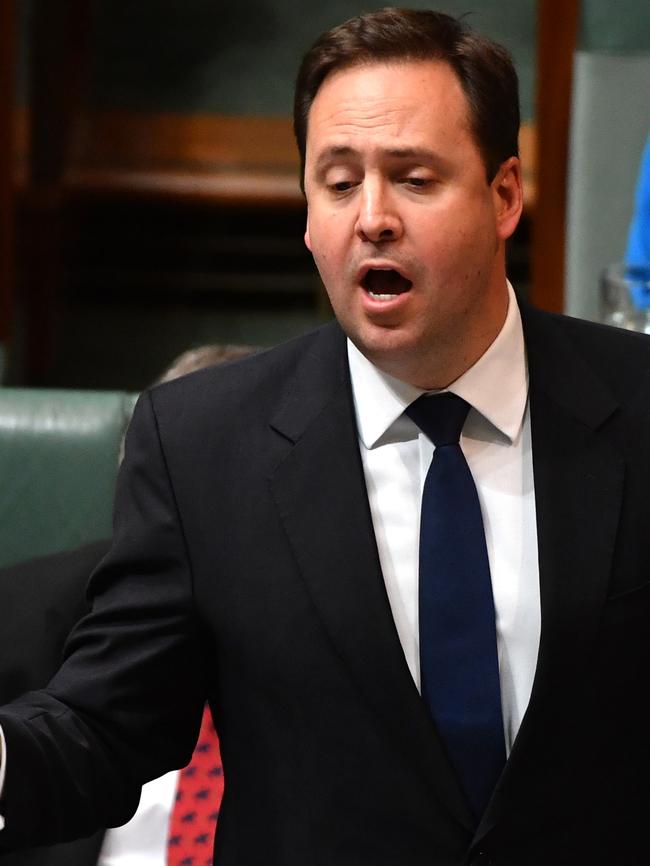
(143, 841)
(496, 441)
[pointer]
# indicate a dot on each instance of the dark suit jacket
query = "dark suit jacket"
(244, 567)
(41, 600)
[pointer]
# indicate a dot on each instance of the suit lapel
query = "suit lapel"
(320, 492)
(578, 490)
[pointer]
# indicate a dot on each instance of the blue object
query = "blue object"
(638, 245)
(458, 650)
(638, 279)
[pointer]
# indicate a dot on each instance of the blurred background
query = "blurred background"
(149, 195)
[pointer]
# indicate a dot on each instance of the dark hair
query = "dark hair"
(484, 69)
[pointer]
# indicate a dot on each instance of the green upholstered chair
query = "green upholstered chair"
(59, 453)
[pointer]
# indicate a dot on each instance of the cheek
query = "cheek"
(326, 269)
(445, 251)
(319, 252)
(324, 247)
(460, 245)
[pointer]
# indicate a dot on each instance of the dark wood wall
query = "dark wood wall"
(190, 216)
(6, 170)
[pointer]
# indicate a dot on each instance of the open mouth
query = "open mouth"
(384, 284)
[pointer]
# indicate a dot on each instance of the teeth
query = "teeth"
(382, 297)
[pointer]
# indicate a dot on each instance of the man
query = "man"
(268, 556)
(46, 597)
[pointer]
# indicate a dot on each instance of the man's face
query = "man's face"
(405, 230)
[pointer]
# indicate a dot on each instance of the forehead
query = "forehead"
(421, 97)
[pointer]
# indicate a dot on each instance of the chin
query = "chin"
(391, 350)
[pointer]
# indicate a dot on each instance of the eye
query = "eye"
(416, 181)
(340, 179)
(342, 185)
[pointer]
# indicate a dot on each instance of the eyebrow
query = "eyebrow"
(422, 154)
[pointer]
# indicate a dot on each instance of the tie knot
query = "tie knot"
(440, 417)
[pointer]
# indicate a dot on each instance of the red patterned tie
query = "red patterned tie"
(198, 796)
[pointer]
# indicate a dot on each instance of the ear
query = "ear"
(307, 237)
(507, 196)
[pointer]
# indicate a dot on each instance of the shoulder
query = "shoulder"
(253, 385)
(619, 358)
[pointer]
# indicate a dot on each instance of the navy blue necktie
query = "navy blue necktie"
(459, 667)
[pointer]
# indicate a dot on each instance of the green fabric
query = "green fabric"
(618, 28)
(58, 462)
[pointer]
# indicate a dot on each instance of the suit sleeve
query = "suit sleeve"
(126, 704)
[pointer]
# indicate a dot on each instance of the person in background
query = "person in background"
(46, 597)
(405, 557)
(638, 244)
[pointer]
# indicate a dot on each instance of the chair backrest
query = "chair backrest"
(610, 120)
(59, 453)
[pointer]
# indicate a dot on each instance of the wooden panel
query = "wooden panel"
(173, 140)
(58, 72)
(528, 155)
(557, 32)
(205, 159)
(57, 75)
(6, 164)
(216, 188)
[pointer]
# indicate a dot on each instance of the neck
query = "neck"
(443, 362)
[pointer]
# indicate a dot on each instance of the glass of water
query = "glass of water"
(625, 296)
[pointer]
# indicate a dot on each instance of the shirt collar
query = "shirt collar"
(496, 386)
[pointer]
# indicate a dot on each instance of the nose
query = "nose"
(378, 219)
